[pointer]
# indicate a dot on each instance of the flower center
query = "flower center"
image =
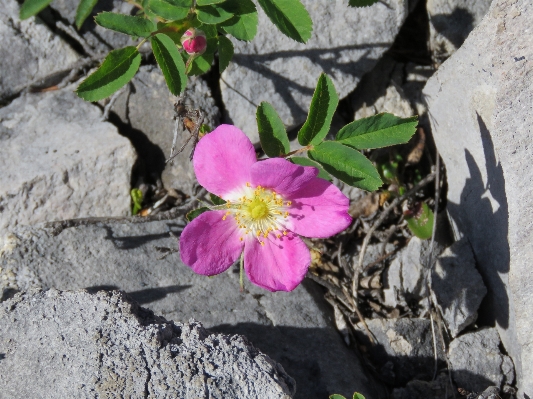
(259, 212)
(258, 209)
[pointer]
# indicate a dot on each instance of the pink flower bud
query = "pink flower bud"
(194, 41)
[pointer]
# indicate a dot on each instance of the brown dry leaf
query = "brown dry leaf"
(364, 207)
(419, 143)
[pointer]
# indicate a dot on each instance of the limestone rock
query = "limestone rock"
(295, 329)
(74, 344)
(481, 106)
(450, 22)
(147, 112)
(456, 286)
(29, 51)
(404, 349)
(477, 362)
(59, 161)
(97, 38)
(346, 43)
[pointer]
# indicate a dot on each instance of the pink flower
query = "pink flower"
(194, 41)
(269, 203)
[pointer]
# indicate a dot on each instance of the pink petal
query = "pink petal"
(282, 176)
(318, 210)
(222, 161)
(210, 245)
(279, 265)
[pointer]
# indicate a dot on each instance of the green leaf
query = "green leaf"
(272, 131)
(216, 200)
(243, 25)
(377, 131)
(323, 106)
(361, 3)
(357, 395)
(83, 11)
(291, 18)
(130, 25)
(346, 164)
(307, 162)
(213, 14)
(208, 2)
(421, 224)
(336, 396)
(118, 68)
(225, 52)
(137, 199)
(169, 9)
(169, 59)
(195, 213)
(32, 7)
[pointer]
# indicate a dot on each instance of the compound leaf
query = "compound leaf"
(118, 68)
(272, 133)
(169, 59)
(323, 106)
(346, 164)
(290, 16)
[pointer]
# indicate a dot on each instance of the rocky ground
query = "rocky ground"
(94, 302)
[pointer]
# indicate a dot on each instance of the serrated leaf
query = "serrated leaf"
(216, 200)
(377, 131)
(213, 14)
(421, 225)
(130, 25)
(361, 3)
(169, 9)
(346, 164)
(323, 106)
(357, 395)
(118, 68)
(208, 2)
(195, 213)
(225, 52)
(307, 162)
(170, 62)
(243, 25)
(291, 18)
(272, 132)
(32, 7)
(336, 396)
(83, 11)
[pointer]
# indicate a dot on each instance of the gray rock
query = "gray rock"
(440, 388)
(450, 22)
(480, 102)
(97, 38)
(407, 276)
(456, 286)
(59, 161)
(404, 349)
(29, 51)
(477, 362)
(296, 329)
(74, 344)
(147, 109)
(380, 91)
(346, 43)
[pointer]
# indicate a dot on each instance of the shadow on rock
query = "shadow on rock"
(143, 296)
(482, 215)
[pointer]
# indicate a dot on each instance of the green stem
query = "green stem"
(241, 272)
(303, 149)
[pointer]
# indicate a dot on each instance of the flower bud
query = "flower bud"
(194, 41)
